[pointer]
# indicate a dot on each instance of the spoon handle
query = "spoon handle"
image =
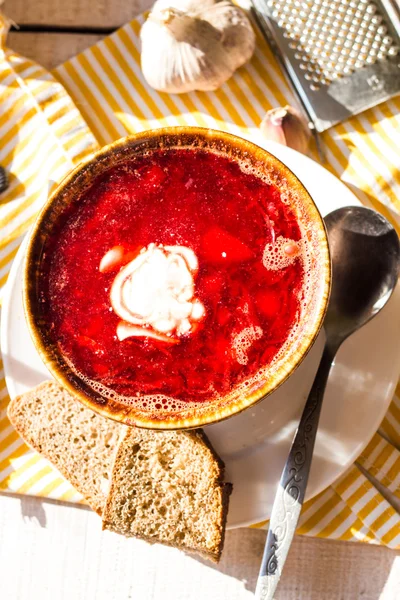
(292, 487)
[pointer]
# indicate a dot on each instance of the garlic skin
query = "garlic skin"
(285, 125)
(190, 45)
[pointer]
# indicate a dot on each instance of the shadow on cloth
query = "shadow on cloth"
(368, 568)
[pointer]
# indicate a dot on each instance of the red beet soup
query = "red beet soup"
(177, 274)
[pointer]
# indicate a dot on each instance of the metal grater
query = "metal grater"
(341, 56)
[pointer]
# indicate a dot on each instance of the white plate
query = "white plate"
(254, 444)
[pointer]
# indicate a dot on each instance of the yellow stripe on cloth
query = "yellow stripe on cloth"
(42, 136)
(328, 516)
(391, 424)
(383, 463)
(44, 130)
(370, 507)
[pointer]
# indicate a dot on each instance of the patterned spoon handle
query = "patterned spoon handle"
(292, 487)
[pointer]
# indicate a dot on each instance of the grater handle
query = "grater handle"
(392, 8)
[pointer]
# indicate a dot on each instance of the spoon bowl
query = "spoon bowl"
(365, 254)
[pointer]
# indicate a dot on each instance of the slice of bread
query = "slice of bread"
(167, 487)
(78, 442)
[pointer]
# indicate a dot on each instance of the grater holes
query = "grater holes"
(352, 33)
(376, 20)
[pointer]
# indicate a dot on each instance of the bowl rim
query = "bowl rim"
(54, 361)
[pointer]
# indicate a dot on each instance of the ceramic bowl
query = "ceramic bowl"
(81, 178)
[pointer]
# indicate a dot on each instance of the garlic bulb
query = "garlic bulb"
(190, 45)
(286, 126)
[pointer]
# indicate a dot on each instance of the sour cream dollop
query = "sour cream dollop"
(154, 294)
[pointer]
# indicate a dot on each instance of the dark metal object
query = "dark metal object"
(340, 56)
(365, 254)
(43, 28)
(3, 180)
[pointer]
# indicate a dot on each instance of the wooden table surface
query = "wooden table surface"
(50, 551)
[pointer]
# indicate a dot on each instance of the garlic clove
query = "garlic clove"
(285, 125)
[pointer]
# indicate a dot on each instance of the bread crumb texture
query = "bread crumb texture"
(78, 442)
(167, 487)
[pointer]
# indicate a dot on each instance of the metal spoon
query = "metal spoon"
(365, 255)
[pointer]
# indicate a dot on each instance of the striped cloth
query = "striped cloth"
(43, 135)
